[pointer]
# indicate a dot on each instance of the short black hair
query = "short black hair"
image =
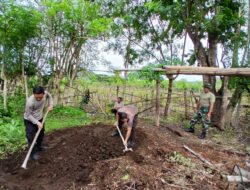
(120, 98)
(38, 90)
(122, 115)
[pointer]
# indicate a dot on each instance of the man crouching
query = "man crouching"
(127, 116)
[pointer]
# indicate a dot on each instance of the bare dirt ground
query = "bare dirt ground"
(89, 158)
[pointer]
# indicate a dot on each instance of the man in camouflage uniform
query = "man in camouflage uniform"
(205, 107)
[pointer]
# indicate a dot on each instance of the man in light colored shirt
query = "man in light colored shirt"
(127, 116)
(205, 107)
(33, 117)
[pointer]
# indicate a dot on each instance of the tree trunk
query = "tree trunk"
(5, 93)
(56, 87)
(184, 46)
(248, 45)
(186, 104)
(222, 123)
(157, 111)
(169, 95)
(233, 101)
(127, 61)
(200, 51)
(25, 85)
(74, 64)
(212, 57)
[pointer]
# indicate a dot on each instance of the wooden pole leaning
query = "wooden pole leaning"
(24, 165)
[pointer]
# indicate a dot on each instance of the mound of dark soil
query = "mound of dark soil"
(89, 158)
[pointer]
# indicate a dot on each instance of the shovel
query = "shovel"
(24, 165)
(126, 148)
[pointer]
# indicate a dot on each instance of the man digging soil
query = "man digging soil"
(127, 116)
(33, 118)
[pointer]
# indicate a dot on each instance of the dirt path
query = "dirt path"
(89, 158)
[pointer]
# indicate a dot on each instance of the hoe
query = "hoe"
(126, 148)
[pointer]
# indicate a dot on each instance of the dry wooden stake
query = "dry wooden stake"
(197, 155)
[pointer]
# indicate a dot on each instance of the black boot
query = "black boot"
(130, 144)
(190, 130)
(115, 133)
(203, 135)
(34, 155)
(41, 147)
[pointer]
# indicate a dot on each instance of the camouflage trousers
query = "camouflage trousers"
(201, 115)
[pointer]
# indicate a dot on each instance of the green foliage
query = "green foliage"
(177, 157)
(149, 74)
(192, 59)
(85, 99)
(65, 122)
(77, 15)
(125, 177)
(60, 111)
(117, 80)
(226, 136)
(18, 25)
(239, 81)
(183, 84)
(12, 135)
(15, 105)
(134, 79)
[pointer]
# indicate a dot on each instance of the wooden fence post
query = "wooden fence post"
(142, 103)
(117, 91)
(185, 102)
(152, 97)
(147, 104)
(131, 98)
(157, 112)
(191, 100)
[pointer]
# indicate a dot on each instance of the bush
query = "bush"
(12, 135)
(60, 111)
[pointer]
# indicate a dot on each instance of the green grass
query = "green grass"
(63, 122)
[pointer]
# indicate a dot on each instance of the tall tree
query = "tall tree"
(69, 25)
(149, 38)
(211, 21)
(18, 25)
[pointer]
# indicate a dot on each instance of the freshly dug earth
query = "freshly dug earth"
(88, 157)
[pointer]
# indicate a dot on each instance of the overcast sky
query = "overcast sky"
(117, 62)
